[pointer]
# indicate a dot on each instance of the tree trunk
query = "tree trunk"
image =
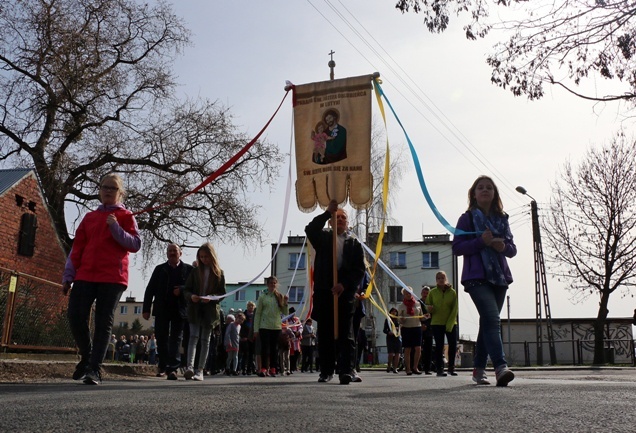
(599, 330)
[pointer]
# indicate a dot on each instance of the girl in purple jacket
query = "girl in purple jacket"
(485, 241)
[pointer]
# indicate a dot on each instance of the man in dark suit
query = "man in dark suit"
(350, 264)
(169, 309)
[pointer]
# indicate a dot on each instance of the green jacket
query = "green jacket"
(444, 304)
(205, 314)
(268, 313)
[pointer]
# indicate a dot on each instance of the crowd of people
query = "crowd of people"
(137, 349)
(193, 335)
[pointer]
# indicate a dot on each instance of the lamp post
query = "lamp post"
(540, 284)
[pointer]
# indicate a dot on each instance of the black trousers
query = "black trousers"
(169, 333)
(328, 348)
(307, 358)
(438, 332)
(269, 347)
(427, 351)
(105, 296)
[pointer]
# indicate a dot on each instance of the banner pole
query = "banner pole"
(334, 224)
(334, 253)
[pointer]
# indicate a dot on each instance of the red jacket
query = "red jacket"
(100, 252)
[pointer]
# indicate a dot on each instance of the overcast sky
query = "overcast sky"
(461, 125)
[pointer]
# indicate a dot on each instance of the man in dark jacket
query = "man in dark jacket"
(169, 308)
(350, 263)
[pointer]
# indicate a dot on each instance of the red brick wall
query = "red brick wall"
(48, 258)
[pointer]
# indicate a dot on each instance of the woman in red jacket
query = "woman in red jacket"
(97, 267)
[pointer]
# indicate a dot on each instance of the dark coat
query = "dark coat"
(203, 313)
(349, 275)
(159, 289)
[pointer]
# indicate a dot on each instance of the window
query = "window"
(123, 324)
(296, 258)
(430, 260)
(395, 294)
(296, 293)
(240, 296)
(123, 309)
(137, 309)
(397, 260)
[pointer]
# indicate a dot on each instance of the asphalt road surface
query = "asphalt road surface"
(571, 401)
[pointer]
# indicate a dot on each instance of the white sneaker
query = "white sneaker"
(198, 376)
(479, 376)
(504, 375)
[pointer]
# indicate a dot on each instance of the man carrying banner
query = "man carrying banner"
(350, 265)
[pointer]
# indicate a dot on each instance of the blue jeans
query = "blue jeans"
(196, 331)
(489, 301)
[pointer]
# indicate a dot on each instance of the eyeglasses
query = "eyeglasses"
(109, 188)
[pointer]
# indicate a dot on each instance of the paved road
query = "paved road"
(569, 401)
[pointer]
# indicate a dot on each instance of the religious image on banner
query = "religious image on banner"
(332, 126)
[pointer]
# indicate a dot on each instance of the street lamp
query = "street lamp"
(540, 284)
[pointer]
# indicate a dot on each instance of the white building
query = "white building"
(415, 263)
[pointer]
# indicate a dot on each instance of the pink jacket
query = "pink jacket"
(100, 252)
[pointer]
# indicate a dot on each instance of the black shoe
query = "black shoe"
(324, 379)
(161, 374)
(428, 373)
(93, 377)
(452, 372)
(80, 370)
(345, 379)
(172, 376)
(441, 374)
(417, 372)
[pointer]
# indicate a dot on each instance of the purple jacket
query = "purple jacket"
(470, 246)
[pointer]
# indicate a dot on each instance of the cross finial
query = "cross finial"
(331, 65)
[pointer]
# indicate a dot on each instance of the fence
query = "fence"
(571, 352)
(34, 314)
(524, 353)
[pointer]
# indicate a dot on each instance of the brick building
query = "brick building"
(32, 256)
(28, 241)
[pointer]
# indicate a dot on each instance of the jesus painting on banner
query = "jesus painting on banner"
(333, 160)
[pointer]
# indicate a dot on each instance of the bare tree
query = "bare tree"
(562, 43)
(86, 88)
(591, 227)
(370, 219)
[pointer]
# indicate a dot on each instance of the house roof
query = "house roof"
(11, 176)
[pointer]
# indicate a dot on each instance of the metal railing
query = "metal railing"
(577, 352)
(34, 314)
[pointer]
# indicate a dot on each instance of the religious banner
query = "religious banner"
(332, 126)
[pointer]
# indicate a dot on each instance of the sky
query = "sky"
(439, 85)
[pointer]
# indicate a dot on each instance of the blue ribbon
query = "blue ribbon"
(420, 176)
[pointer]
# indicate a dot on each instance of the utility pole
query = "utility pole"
(541, 285)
